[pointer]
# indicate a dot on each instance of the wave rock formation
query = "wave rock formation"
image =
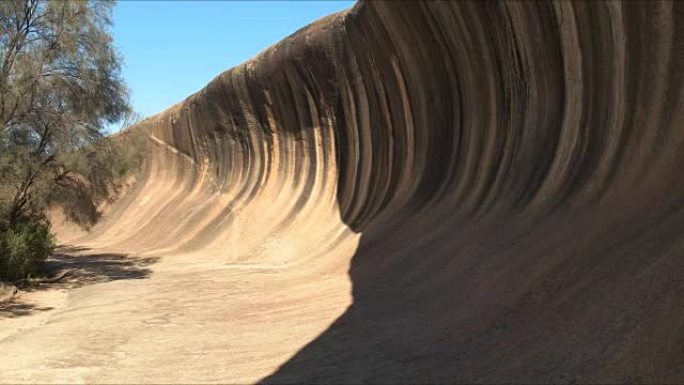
(500, 182)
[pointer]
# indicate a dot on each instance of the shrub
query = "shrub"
(25, 243)
(96, 174)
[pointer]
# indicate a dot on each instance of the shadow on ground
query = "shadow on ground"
(73, 267)
(86, 269)
(18, 309)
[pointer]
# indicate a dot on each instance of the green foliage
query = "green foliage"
(125, 154)
(98, 173)
(25, 243)
(60, 87)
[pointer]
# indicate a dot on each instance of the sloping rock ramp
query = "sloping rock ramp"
(403, 192)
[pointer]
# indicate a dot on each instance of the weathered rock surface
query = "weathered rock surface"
(502, 183)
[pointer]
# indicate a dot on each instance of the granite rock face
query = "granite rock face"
(513, 169)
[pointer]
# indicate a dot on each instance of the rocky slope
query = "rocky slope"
(500, 181)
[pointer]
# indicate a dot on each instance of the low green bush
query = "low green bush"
(25, 243)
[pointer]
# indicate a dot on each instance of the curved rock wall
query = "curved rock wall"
(505, 177)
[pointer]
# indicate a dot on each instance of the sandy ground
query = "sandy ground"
(122, 319)
(29, 310)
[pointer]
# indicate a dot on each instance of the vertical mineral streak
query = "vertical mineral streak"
(514, 171)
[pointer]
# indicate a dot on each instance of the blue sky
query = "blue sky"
(173, 48)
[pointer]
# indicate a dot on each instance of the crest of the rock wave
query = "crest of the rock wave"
(411, 192)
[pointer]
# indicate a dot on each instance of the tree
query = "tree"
(60, 85)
